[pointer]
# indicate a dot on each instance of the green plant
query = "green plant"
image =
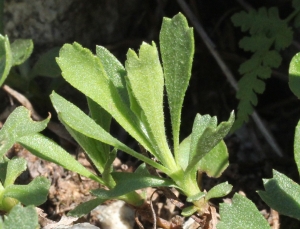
(269, 34)
(34, 193)
(281, 193)
(20, 218)
(133, 96)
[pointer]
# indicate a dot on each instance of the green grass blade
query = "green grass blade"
(177, 51)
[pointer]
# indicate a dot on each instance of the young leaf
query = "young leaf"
(210, 137)
(5, 58)
(177, 51)
(34, 193)
(282, 194)
(72, 117)
(89, 77)
(219, 190)
(201, 123)
(14, 169)
(18, 124)
(21, 218)
(241, 213)
(48, 150)
(146, 81)
(294, 75)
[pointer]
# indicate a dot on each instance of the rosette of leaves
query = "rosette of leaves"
(268, 35)
(133, 96)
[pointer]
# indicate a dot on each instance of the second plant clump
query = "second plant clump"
(133, 95)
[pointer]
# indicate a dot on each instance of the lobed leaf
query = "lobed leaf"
(241, 213)
(34, 193)
(282, 194)
(146, 80)
(210, 137)
(17, 125)
(177, 51)
(14, 169)
(20, 218)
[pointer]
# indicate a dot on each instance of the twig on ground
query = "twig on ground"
(210, 45)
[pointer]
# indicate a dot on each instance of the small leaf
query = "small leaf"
(85, 207)
(218, 191)
(294, 75)
(241, 213)
(48, 150)
(14, 168)
(34, 193)
(17, 125)
(282, 194)
(46, 65)
(177, 51)
(5, 58)
(21, 49)
(188, 211)
(128, 182)
(211, 136)
(21, 218)
(146, 81)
